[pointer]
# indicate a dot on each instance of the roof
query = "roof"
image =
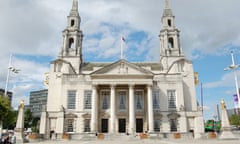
(90, 65)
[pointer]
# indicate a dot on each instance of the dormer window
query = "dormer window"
(72, 22)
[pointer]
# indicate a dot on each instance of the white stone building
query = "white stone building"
(121, 97)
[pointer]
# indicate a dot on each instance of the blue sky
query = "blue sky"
(31, 31)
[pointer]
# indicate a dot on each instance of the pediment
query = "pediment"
(71, 115)
(173, 115)
(60, 61)
(86, 115)
(122, 67)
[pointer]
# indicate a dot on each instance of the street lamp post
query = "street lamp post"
(12, 69)
(233, 67)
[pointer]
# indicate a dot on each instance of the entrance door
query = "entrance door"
(139, 125)
(104, 125)
(121, 125)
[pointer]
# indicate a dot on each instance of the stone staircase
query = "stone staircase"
(124, 137)
(103, 136)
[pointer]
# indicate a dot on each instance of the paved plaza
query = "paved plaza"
(121, 139)
(145, 141)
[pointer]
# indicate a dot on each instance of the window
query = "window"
(171, 99)
(122, 100)
(71, 41)
(70, 125)
(87, 99)
(71, 99)
(139, 100)
(170, 43)
(156, 100)
(87, 125)
(105, 95)
(173, 125)
(157, 125)
(169, 23)
(72, 22)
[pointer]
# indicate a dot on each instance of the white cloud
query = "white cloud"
(39, 28)
(30, 77)
(33, 28)
(20, 94)
(227, 80)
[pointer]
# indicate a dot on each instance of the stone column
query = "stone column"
(112, 109)
(199, 127)
(65, 44)
(150, 109)
(131, 110)
(226, 128)
(94, 109)
(165, 123)
(19, 129)
(183, 122)
(60, 122)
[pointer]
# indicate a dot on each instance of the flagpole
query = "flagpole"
(8, 73)
(202, 96)
(121, 47)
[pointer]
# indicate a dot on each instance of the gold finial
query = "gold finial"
(223, 104)
(22, 104)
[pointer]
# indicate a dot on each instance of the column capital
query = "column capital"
(131, 85)
(149, 85)
(113, 85)
(94, 86)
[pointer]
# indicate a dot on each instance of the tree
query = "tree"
(11, 119)
(28, 118)
(5, 107)
(4, 110)
(30, 121)
(234, 120)
(7, 115)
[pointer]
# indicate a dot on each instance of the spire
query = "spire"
(75, 5)
(167, 4)
(74, 10)
(167, 10)
(74, 18)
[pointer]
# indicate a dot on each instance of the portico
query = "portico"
(122, 108)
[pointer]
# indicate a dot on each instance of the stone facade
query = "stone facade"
(121, 97)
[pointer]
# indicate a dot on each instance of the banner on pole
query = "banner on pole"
(235, 98)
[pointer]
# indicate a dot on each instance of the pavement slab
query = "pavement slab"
(145, 141)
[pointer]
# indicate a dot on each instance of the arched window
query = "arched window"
(71, 42)
(170, 42)
(72, 22)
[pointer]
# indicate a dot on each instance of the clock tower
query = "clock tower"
(72, 37)
(170, 49)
